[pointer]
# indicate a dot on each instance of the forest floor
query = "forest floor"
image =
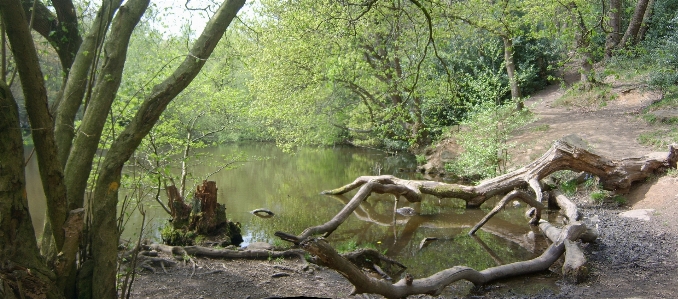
(632, 258)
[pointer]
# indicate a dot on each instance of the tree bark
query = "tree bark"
(104, 208)
(434, 284)
(60, 30)
(646, 19)
(86, 142)
(18, 247)
(74, 88)
(511, 71)
(35, 94)
(630, 37)
(614, 24)
(568, 207)
(500, 205)
(582, 44)
(225, 253)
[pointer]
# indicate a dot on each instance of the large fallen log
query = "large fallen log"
(616, 175)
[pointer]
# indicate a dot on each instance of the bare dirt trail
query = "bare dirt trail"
(610, 130)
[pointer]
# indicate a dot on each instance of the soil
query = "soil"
(632, 258)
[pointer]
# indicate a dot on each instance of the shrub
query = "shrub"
(484, 138)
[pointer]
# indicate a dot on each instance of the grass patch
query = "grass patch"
(569, 188)
(541, 128)
(598, 196)
(347, 246)
(659, 138)
(576, 97)
(620, 200)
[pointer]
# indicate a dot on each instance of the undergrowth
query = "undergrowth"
(484, 138)
(577, 97)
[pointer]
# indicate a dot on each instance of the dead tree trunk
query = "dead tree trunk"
(179, 210)
(204, 216)
(615, 175)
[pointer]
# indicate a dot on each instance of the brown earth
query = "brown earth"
(631, 259)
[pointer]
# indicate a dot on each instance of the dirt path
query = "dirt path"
(611, 130)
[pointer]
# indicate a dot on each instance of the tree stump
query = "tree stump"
(204, 216)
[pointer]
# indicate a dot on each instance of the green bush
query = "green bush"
(620, 200)
(421, 159)
(484, 138)
(568, 188)
(598, 196)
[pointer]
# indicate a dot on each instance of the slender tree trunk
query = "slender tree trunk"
(104, 229)
(75, 86)
(86, 142)
(582, 43)
(614, 24)
(646, 19)
(630, 38)
(511, 71)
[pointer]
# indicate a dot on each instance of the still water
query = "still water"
(290, 184)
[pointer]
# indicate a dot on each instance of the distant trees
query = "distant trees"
(387, 73)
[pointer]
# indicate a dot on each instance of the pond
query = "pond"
(290, 184)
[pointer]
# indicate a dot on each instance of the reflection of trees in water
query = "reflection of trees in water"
(394, 164)
(501, 240)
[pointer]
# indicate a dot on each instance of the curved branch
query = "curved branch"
(434, 284)
(61, 31)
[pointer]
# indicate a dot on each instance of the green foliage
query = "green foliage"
(421, 159)
(177, 237)
(568, 188)
(598, 196)
(619, 200)
(347, 246)
(484, 138)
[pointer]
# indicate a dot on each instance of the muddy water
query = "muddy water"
(289, 185)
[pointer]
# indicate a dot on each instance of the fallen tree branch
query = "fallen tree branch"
(615, 175)
(434, 284)
(568, 208)
(575, 266)
(225, 253)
